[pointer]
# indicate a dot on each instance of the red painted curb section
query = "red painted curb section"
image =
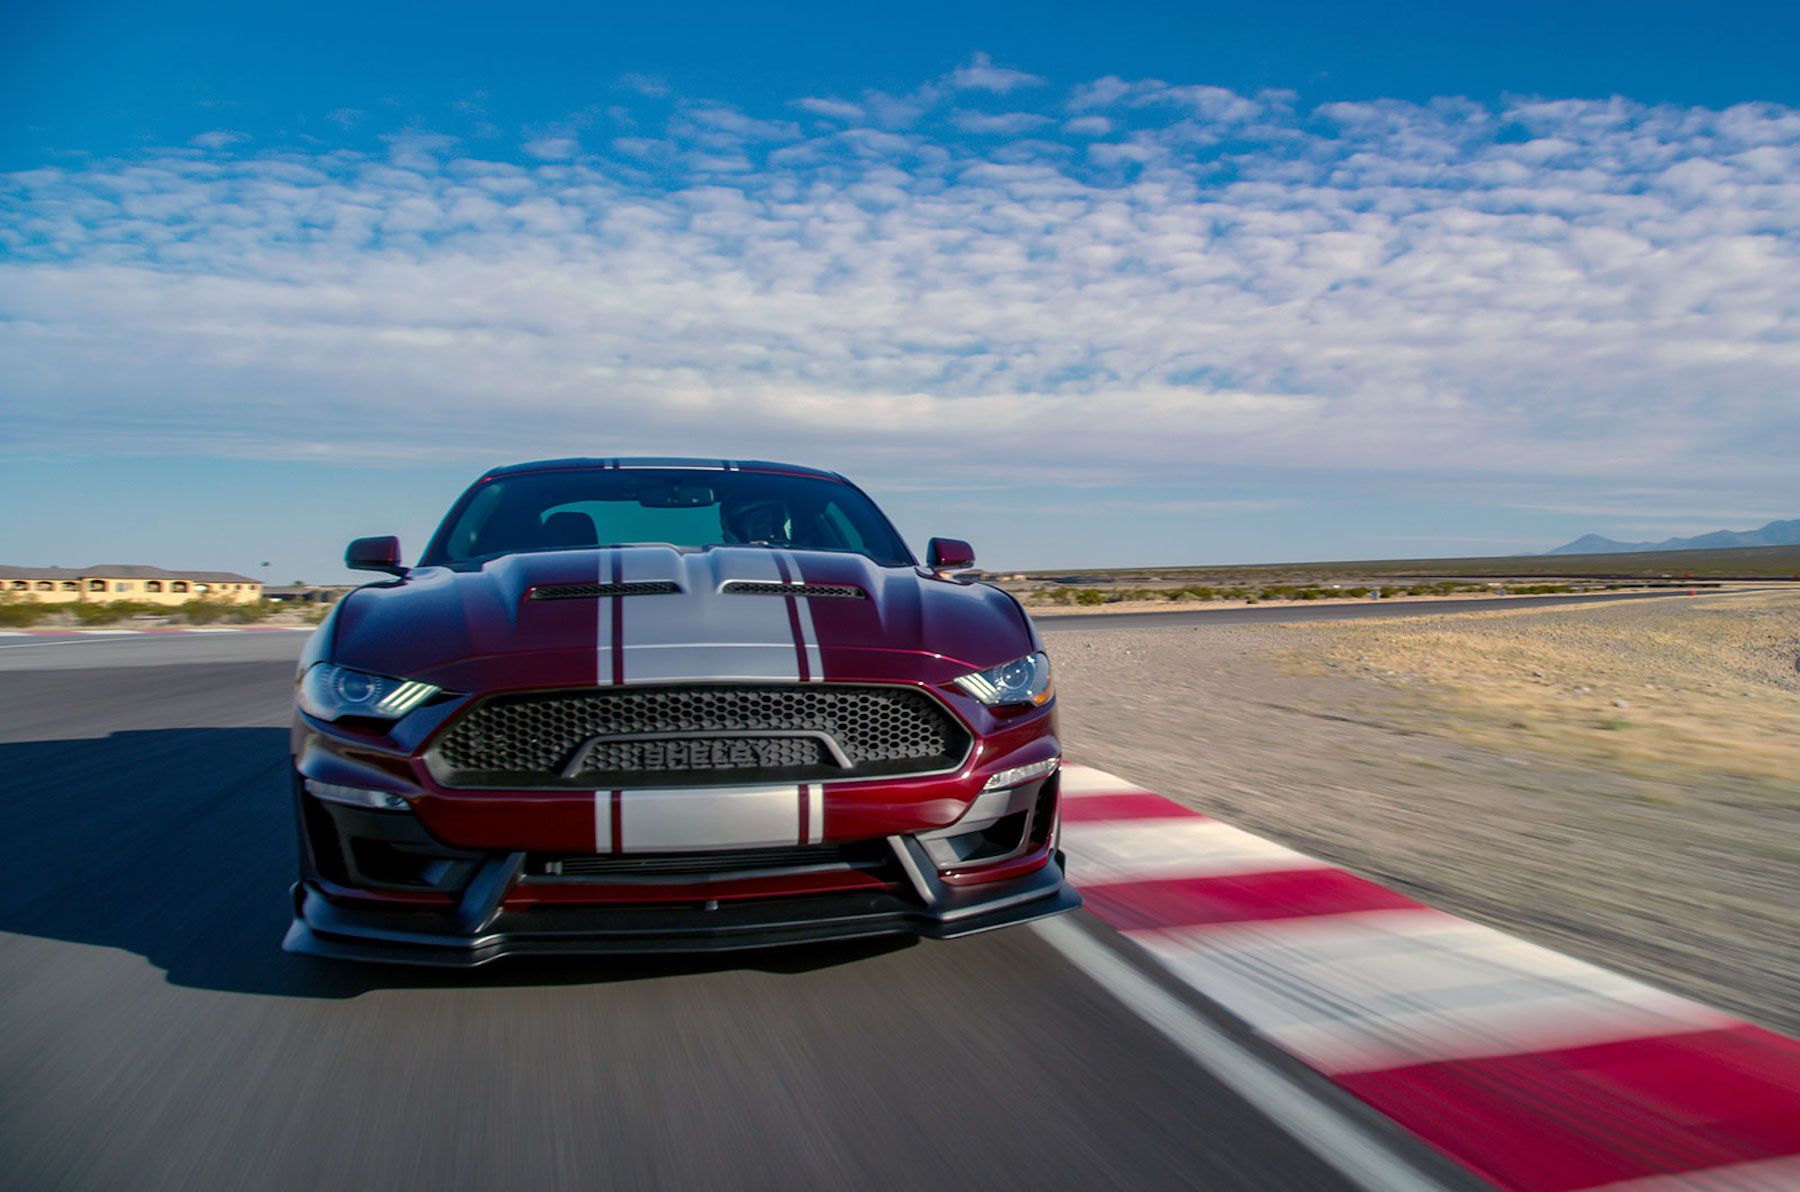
(1534, 1070)
(1194, 901)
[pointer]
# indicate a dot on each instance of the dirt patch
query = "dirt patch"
(1689, 693)
(1468, 761)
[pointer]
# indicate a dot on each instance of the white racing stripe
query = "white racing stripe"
(1383, 989)
(706, 818)
(603, 631)
(704, 634)
(809, 636)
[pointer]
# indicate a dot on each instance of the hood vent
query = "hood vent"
(759, 587)
(654, 587)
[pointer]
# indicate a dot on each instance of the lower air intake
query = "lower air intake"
(868, 855)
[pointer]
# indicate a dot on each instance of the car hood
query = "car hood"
(655, 614)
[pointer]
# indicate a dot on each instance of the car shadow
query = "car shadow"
(178, 845)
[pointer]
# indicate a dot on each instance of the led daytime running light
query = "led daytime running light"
(404, 698)
(1020, 775)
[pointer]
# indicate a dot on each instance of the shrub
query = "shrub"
(14, 611)
(110, 611)
(201, 611)
(1090, 596)
(1292, 592)
(249, 614)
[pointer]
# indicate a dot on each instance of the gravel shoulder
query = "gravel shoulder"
(1484, 764)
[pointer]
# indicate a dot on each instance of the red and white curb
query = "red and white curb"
(1530, 1068)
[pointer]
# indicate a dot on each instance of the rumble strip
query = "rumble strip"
(1530, 1068)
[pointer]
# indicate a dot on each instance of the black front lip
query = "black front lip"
(322, 928)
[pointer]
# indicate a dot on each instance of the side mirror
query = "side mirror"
(374, 554)
(949, 554)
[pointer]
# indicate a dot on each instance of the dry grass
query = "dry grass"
(1708, 687)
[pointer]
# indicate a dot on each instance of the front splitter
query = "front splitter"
(323, 928)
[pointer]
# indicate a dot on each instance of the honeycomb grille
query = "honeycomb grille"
(650, 587)
(761, 587)
(703, 734)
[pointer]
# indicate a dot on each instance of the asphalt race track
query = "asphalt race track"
(153, 1035)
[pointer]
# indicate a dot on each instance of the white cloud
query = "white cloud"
(833, 109)
(1592, 292)
(222, 138)
(644, 84)
(720, 121)
(1006, 124)
(552, 148)
(980, 74)
(1214, 104)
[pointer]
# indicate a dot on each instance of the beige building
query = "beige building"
(125, 581)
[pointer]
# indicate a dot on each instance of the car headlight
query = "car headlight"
(330, 692)
(1024, 681)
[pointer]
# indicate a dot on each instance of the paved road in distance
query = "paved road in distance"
(1259, 613)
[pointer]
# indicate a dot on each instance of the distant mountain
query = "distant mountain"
(1776, 533)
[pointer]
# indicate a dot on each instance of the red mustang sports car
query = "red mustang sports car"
(669, 705)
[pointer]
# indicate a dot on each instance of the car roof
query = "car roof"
(654, 461)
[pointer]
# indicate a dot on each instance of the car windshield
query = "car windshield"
(588, 507)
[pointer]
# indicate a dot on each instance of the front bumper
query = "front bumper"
(459, 877)
(480, 929)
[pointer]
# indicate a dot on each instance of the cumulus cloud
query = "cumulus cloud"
(1215, 104)
(980, 74)
(552, 148)
(643, 84)
(220, 138)
(1088, 126)
(1580, 290)
(1005, 124)
(832, 109)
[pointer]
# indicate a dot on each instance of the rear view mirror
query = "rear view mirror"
(949, 554)
(676, 496)
(374, 554)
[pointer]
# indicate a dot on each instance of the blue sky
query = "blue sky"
(1155, 283)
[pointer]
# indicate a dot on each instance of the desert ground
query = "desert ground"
(1618, 781)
